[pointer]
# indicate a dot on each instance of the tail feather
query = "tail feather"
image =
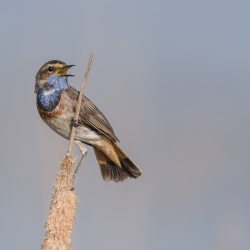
(110, 171)
(127, 165)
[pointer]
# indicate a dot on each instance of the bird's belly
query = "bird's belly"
(62, 126)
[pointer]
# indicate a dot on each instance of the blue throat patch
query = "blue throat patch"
(49, 96)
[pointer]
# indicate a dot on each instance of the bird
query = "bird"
(56, 103)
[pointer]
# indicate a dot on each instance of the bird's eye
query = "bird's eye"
(50, 68)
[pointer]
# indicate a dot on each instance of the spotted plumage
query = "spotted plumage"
(56, 104)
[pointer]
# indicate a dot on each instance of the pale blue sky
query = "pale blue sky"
(173, 79)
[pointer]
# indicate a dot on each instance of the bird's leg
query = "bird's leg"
(75, 123)
(78, 167)
(84, 152)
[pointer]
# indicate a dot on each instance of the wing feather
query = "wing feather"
(91, 115)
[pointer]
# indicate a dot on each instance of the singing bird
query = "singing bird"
(56, 103)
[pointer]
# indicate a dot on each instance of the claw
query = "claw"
(75, 123)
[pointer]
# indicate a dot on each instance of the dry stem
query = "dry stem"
(73, 130)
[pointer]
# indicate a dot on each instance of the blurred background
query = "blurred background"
(173, 79)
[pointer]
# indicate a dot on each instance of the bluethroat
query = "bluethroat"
(56, 104)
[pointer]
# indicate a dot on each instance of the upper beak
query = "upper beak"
(63, 70)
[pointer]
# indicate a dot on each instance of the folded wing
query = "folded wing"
(91, 115)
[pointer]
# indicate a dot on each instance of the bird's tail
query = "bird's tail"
(111, 169)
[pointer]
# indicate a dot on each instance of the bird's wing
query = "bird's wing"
(91, 115)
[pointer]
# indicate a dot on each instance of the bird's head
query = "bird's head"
(51, 75)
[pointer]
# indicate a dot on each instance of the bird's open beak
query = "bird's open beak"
(63, 70)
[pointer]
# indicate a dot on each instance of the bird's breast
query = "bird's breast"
(57, 111)
(59, 120)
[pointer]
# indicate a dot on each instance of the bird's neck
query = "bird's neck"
(48, 97)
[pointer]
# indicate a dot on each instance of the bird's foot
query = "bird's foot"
(75, 123)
